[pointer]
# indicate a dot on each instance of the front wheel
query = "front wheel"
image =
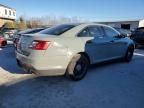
(129, 54)
(78, 67)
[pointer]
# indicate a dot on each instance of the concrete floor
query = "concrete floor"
(112, 85)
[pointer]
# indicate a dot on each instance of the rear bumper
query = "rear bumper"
(41, 67)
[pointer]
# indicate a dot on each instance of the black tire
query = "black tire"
(129, 54)
(78, 67)
(4, 43)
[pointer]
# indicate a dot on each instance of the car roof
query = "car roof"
(84, 24)
(78, 27)
(81, 26)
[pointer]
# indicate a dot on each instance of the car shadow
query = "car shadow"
(35, 90)
(8, 61)
(106, 63)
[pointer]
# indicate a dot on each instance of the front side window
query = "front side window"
(57, 30)
(110, 32)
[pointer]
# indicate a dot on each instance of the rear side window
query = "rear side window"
(92, 31)
(96, 31)
(84, 33)
(57, 30)
(110, 32)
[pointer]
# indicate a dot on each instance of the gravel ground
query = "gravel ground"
(111, 85)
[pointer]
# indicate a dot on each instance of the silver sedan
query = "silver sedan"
(69, 49)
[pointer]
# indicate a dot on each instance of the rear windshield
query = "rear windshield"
(30, 31)
(57, 30)
(35, 31)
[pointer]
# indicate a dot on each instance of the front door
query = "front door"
(116, 47)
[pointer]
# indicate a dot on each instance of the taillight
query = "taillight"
(39, 45)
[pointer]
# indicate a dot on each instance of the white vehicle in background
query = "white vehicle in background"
(69, 49)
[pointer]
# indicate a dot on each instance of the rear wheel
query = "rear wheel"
(129, 54)
(78, 67)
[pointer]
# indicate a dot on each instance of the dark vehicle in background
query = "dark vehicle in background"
(125, 32)
(138, 36)
(3, 41)
(28, 31)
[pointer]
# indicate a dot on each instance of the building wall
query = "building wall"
(133, 24)
(7, 13)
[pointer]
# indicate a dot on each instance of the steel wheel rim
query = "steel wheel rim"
(80, 68)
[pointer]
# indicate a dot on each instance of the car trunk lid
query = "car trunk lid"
(23, 44)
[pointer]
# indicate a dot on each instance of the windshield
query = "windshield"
(57, 30)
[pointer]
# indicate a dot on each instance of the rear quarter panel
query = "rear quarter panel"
(60, 51)
(65, 48)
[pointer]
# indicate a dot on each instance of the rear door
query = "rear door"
(96, 47)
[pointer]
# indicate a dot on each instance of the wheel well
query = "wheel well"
(86, 55)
